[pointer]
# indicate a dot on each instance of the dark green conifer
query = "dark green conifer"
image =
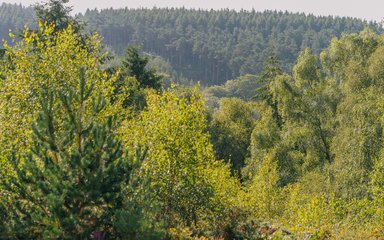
(56, 12)
(135, 65)
(271, 71)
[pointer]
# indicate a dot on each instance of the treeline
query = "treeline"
(207, 46)
(215, 46)
(14, 17)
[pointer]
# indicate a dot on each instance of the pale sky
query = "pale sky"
(367, 9)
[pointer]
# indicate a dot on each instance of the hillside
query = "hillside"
(214, 46)
(207, 46)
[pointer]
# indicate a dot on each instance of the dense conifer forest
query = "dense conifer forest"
(109, 135)
(215, 46)
(207, 46)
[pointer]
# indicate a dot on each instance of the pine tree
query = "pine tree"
(57, 13)
(134, 78)
(268, 76)
(135, 65)
(72, 183)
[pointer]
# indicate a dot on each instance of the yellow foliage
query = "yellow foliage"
(266, 198)
(51, 62)
(180, 162)
(183, 234)
(44, 60)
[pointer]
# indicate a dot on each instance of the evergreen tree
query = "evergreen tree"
(72, 183)
(57, 13)
(264, 92)
(135, 65)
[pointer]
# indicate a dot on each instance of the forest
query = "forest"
(207, 46)
(97, 144)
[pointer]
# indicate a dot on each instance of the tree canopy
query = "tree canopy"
(95, 147)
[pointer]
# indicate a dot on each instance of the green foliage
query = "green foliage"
(172, 129)
(54, 12)
(310, 208)
(305, 154)
(179, 170)
(206, 46)
(129, 90)
(322, 154)
(134, 78)
(135, 65)
(306, 71)
(341, 107)
(242, 87)
(14, 17)
(353, 61)
(231, 129)
(45, 60)
(214, 46)
(267, 199)
(270, 133)
(297, 120)
(72, 183)
(264, 137)
(269, 85)
(377, 191)
(132, 222)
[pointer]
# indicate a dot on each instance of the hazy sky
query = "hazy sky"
(367, 9)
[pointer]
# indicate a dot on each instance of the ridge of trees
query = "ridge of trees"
(215, 46)
(207, 46)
